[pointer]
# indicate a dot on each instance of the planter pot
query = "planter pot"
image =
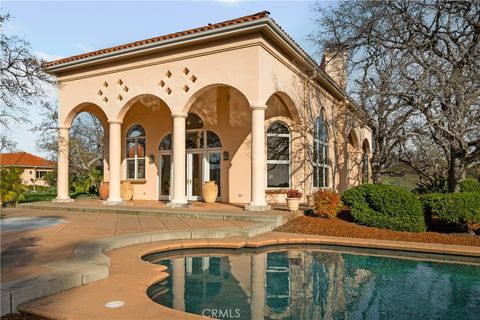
(126, 191)
(293, 203)
(103, 190)
(210, 191)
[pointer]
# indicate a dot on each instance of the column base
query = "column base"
(113, 202)
(256, 207)
(178, 205)
(62, 200)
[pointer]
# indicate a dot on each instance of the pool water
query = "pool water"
(316, 284)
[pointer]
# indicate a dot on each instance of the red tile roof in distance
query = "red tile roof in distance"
(24, 159)
(240, 20)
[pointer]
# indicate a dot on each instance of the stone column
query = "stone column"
(258, 202)
(257, 285)
(178, 284)
(179, 199)
(62, 169)
(115, 154)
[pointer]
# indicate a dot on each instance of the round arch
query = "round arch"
(287, 102)
(148, 100)
(207, 88)
(86, 107)
(353, 139)
(366, 146)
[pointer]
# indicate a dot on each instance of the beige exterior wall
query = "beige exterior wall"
(218, 81)
(29, 177)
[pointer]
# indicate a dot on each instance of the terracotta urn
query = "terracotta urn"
(210, 191)
(103, 190)
(293, 204)
(126, 191)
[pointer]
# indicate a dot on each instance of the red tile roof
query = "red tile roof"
(240, 20)
(24, 159)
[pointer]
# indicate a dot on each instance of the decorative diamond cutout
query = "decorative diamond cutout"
(105, 84)
(105, 100)
(100, 93)
(186, 88)
(161, 83)
(168, 74)
(185, 71)
(120, 98)
(120, 82)
(125, 89)
(169, 91)
(193, 78)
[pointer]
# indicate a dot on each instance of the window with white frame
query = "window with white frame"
(39, 174)
(135, 150)
(278, 155)
(320, 153)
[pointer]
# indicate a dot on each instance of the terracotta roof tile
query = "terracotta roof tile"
(24, 159)
(240, 20)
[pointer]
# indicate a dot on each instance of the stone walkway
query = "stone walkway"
(24, 252)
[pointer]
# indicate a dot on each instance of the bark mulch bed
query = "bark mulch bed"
(343, 226)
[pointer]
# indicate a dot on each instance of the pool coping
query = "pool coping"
(136, 252)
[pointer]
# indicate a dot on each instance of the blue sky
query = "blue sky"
(61, 29)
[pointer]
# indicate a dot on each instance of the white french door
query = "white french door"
(193, 170)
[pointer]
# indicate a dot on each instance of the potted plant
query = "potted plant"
(293, 199)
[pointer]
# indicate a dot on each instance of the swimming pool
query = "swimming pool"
(313, 282)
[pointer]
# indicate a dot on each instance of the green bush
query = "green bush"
(470, 185)
(11, 187)
(385, 206)
(457, 208)
(437, 185)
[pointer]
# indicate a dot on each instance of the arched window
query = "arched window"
(320, 154)
(166, 143)
(135, 152)
(278, 156)
(365, 160)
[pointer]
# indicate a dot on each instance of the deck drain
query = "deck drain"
(115, 304)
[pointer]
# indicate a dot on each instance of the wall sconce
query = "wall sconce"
(151, 159)
(226, 155)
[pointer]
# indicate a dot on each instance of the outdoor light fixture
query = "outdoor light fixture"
(226, 155)
(151, 159)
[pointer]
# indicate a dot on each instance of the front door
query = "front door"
(194, 181)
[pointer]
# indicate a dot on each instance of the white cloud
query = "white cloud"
(46, 56)
(85, 47)
(229, 3)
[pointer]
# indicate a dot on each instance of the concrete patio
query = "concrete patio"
(72, 251)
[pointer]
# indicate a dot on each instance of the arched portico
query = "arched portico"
(63, 145)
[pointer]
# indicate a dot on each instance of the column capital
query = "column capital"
(179, 115)
(258, 106)
(115, 121)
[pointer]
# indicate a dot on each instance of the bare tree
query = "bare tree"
(438, 46)
(23, 81)
(85, 143)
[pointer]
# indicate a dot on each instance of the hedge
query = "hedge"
(470, 185)
(458, 208)
(385, 206)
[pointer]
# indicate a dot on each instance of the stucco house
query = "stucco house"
(238, 102)
(34, 168)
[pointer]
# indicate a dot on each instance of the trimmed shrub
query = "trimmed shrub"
(461, 208)
(327, 204)
(470, 185)
(388, 207)
(437, 185)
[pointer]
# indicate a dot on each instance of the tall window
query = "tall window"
(135, 152)
(278, 156)
(320, 153)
